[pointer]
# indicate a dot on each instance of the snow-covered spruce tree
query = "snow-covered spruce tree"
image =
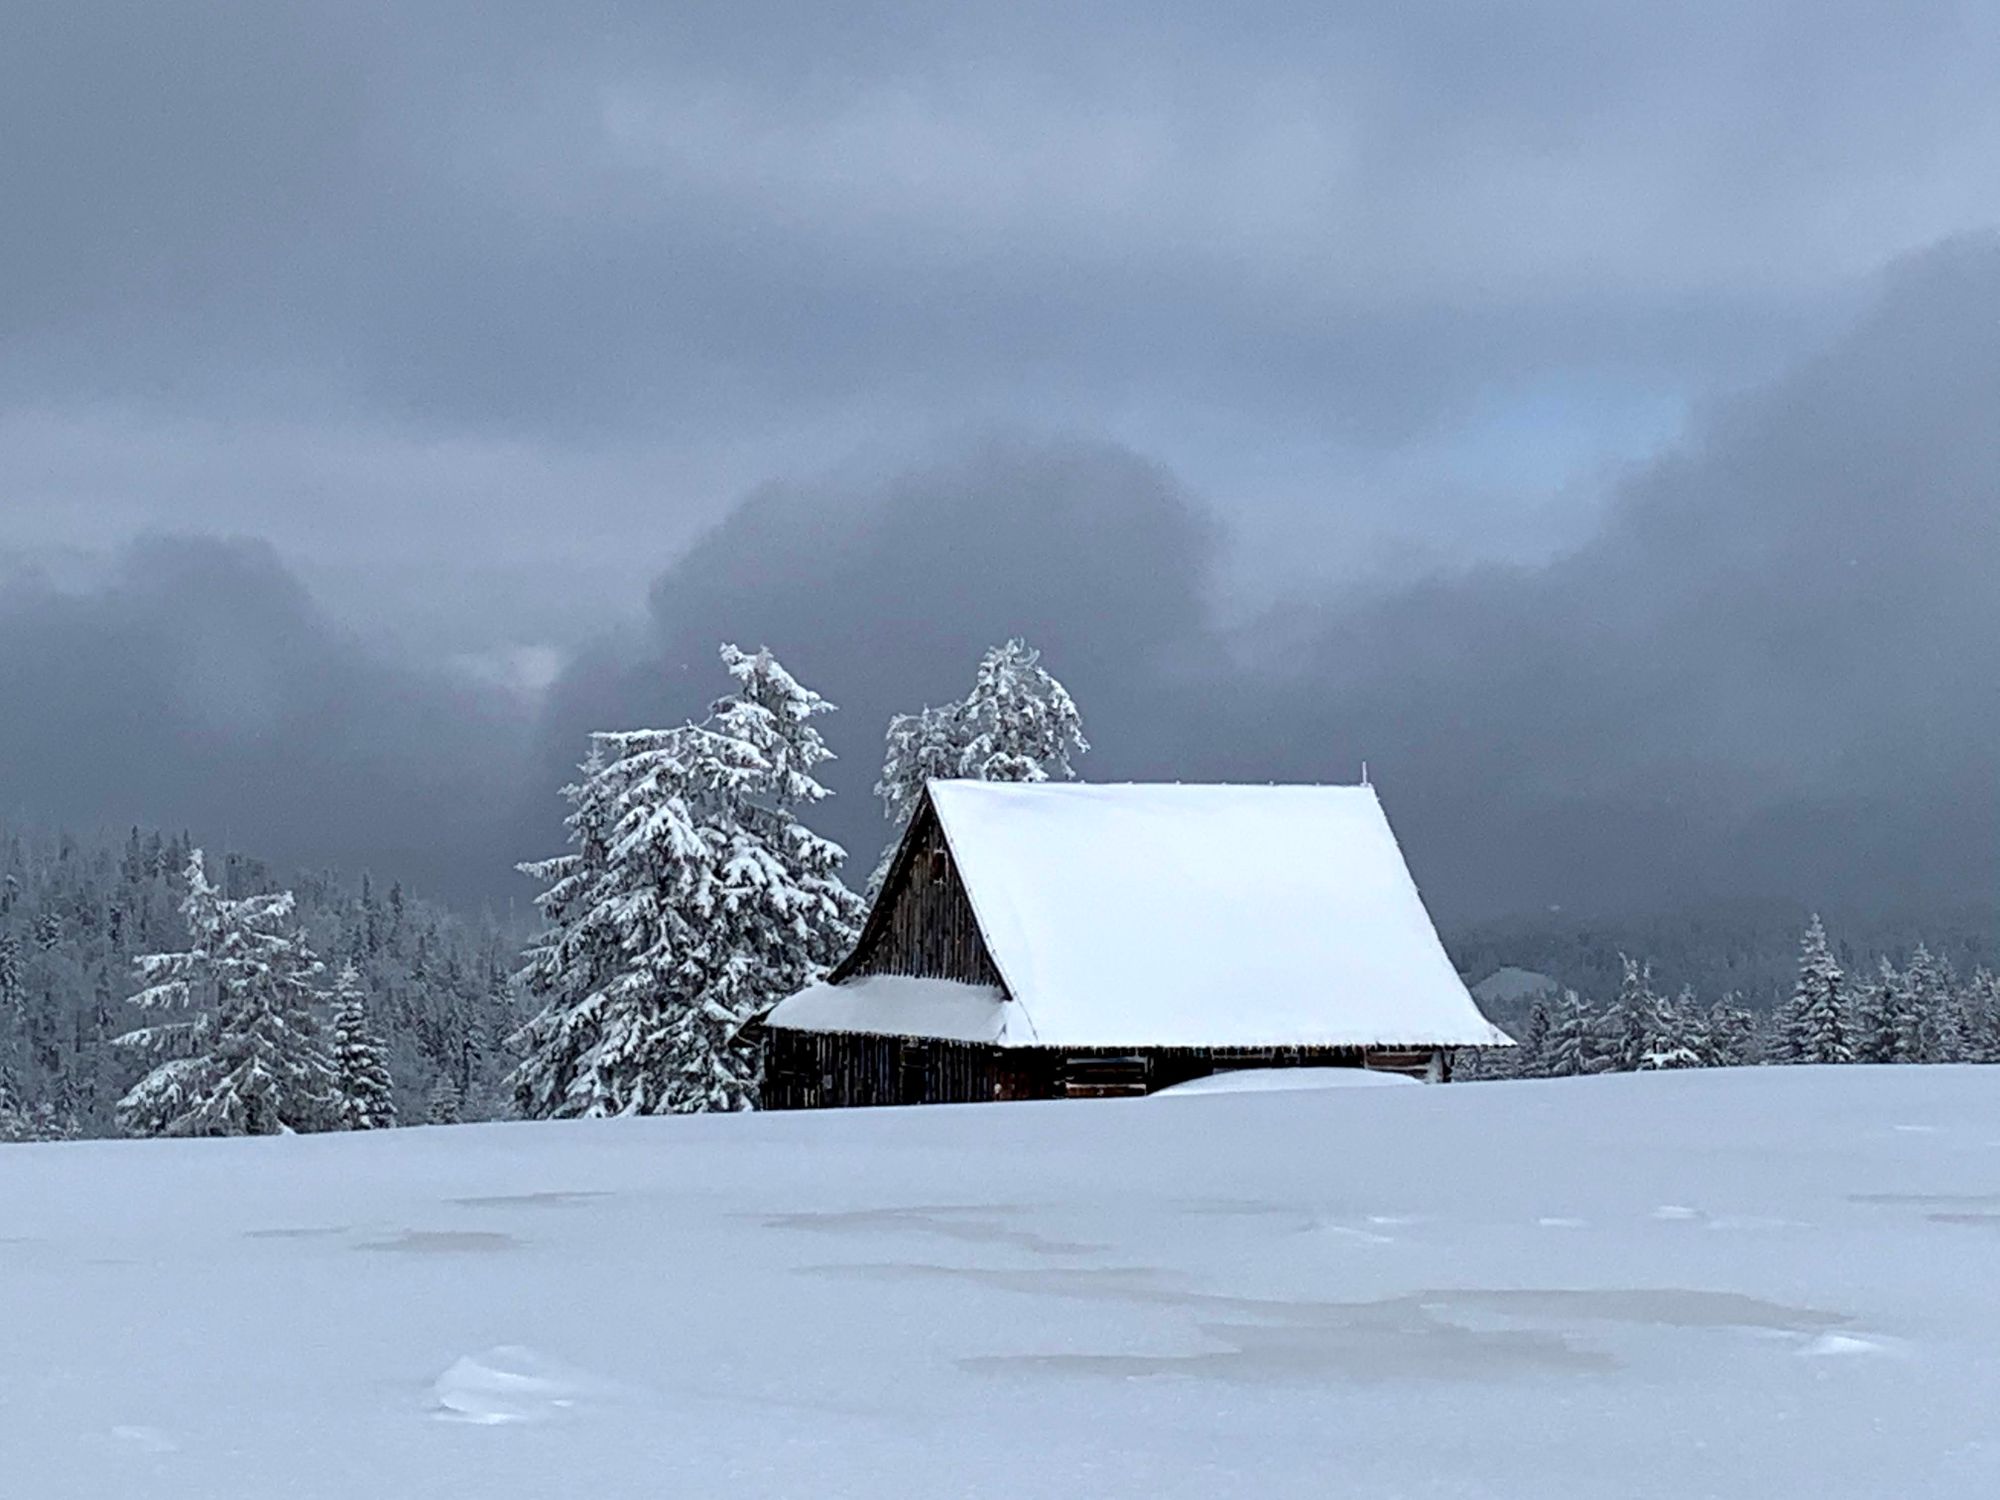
(928, 745)
(921, 747)
(1020, 723)
(1933, 1027)
(364, 1096)
(1878, 1017)
(249, 1058)
(694, 900)
(21, 1123)
(783, 916)
(1634, 1024)
(1817, 1028)
(1680, 1038)
(1576, 1040)
(13, 1118)
(444, 1106)
(1954, 1026)
(1732, 1031)
(1916, 1009)
(1530, 1058)
(1982, 1014)
(1017, 724)
(13, 993)
(570, 969)
(629, 913)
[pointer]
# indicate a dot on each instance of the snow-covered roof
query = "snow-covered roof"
(898, 1005)
(1202, 916)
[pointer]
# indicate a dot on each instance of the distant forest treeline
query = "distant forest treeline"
(76, 908)
(1746, 949)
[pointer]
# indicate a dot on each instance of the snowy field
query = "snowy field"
(1781, 1282)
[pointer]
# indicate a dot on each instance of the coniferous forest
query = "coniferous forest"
(77, 910)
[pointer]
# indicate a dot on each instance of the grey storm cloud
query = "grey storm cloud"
(1769, 674)
(477, 215)
(199, 687)
(660, 254)
(1375, 328)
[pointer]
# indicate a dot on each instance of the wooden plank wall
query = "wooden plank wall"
(810, 1070)
(831, 1069)
(927, 927)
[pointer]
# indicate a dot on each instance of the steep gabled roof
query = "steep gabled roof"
(1205, 916)
(1193, 916)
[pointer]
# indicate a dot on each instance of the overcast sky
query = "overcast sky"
(1455, 385)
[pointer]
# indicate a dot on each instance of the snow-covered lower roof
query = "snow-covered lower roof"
(898, 1005)
(1202, 916)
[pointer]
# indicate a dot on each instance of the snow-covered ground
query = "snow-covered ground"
(1781, 1282)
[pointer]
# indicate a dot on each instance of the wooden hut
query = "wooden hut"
(1068, 939)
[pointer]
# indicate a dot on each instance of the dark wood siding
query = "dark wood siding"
(834, 1069)
(923, 923)
(809, 1070)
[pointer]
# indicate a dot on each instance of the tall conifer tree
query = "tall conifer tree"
(1017, 724)
(365, 1096)
(1817, 1028)
(693, 900)
(249, 1058)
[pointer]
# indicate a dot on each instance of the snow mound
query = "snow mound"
(1845, 1345)
(506, 1384)
(1285, 1080)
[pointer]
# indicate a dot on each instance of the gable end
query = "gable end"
(922, 922)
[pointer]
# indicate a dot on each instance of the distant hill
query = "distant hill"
(1512, 986)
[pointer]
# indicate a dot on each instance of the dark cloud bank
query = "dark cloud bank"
(1771, 673)
(200, 687)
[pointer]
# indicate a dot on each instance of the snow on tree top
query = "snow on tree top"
(1203, 916)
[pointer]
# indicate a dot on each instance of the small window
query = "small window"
(940, 865)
